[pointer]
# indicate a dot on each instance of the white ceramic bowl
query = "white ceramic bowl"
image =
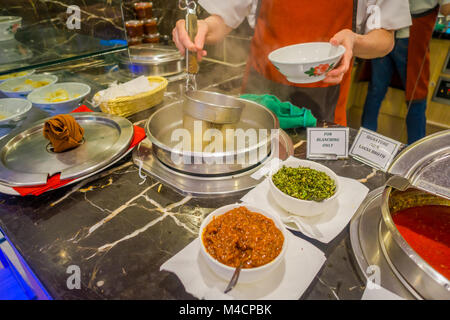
(77, 91)
(9, 26)
(16, 75)
(247, 275)
(13, 110)
(17, 88)
(305, 208)
(306, 62)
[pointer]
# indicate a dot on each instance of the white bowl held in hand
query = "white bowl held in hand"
(306, 208)
(20, 87)
(13, 110)
(75, 93)
(250, 274)
(307, 62)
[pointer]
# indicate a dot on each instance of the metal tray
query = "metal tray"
(12, 192)
(27, 158)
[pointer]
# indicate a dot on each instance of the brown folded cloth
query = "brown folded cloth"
(64, 132)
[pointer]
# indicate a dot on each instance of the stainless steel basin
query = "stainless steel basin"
(163, 123)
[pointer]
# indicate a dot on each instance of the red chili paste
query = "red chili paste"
(427, 231)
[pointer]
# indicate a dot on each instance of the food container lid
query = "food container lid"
(152, 35)
(151, 20)
(152, 54)
(143, 4)
(27, 159)
(426, 164)
(133, 23)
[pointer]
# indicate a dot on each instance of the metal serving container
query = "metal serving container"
(164, 121)
(152, 60)
(429, 283)
(374, 236)
(27, 159)
(213, 107)
(426, 164)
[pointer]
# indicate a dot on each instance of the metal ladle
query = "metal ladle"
(403, 184)
(203, 105)
(213, 107)
(192, 66)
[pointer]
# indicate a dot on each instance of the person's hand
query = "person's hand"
(347, 39)
(183, 42)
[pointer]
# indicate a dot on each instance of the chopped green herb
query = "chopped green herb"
(304, 183)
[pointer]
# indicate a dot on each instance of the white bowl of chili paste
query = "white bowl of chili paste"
(241, 232)
(304, 203)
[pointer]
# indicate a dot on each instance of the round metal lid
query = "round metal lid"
(151, 54)
(27, 159)
(426, 164)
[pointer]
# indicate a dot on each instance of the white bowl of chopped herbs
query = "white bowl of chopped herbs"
(304, 188)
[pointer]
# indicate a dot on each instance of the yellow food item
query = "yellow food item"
(2, 117)
(13, 75)
(32, 83)
(36, 84)
(57, 96)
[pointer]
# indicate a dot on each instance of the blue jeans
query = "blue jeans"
(382, 71)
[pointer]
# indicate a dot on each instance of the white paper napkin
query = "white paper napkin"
(324, 227)
(289, 281)
(375, 292)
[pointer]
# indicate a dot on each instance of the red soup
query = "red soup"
(427, 231)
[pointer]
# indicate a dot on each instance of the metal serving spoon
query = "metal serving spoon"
(234, 278)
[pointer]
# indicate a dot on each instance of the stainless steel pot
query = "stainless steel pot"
(426, 164)
(152, 60)
(163, 123)
(429, 283)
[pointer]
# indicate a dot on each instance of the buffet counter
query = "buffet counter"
(152, 222)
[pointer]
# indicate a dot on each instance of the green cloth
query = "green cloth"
(288, 115)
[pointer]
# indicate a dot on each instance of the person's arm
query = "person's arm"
(225, 15)
(377, 43)
(210, 30)
(375, 33)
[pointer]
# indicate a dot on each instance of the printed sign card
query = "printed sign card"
(327, 143)
(374, 149)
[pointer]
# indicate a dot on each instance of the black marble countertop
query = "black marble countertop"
(122, 257)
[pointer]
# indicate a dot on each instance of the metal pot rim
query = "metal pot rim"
(404, 245)
(189, 96)
(171, 55)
